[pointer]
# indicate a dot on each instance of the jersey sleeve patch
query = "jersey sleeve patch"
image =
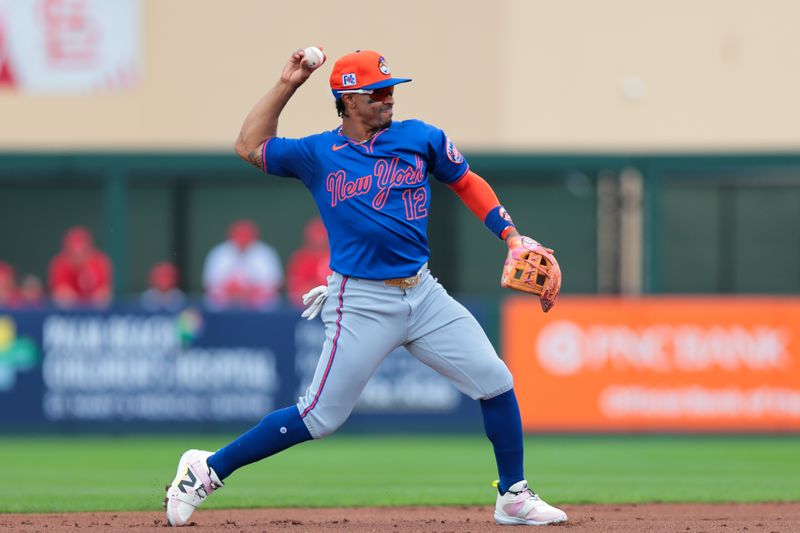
(453, 154)
(447, 164)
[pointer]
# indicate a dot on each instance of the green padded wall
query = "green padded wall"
(691, 235)
(34, 216)
(724, 224)
(150, 227)
(766, 251)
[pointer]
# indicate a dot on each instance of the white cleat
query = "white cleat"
(194, 481)
(520, 506)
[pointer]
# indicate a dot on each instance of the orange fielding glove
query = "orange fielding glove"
(530, 267)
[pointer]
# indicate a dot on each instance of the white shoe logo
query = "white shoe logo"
(188, 481)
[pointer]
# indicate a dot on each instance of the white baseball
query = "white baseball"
(313, 57)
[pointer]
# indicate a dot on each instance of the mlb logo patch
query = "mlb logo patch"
(348, 80)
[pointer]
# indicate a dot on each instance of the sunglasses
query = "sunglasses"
(376, 95)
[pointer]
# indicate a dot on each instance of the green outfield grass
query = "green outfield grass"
(128, 473)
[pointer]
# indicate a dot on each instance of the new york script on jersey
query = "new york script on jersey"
(386, 174)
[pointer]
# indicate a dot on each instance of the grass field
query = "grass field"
(43, 474)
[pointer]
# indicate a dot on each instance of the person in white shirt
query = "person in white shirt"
(242, 272)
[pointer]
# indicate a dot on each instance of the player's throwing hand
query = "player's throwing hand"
(298, 69)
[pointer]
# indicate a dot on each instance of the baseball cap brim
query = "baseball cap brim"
(377, 85)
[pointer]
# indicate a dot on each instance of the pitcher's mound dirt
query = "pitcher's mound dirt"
(657, 518)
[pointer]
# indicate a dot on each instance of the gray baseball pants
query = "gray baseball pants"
(365, 320)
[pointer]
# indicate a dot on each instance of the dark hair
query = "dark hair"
(340, 110)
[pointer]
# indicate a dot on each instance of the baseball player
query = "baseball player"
(369, 178)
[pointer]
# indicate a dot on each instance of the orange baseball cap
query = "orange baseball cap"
(363, 69)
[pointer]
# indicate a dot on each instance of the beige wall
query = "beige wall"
(522, 75)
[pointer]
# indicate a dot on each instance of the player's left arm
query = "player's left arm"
(481, 199)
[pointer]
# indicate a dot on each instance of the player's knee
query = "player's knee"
(498, 379)
(507, 376)
(326, 425)
(328, 429)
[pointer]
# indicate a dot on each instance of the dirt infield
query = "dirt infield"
(767, 517)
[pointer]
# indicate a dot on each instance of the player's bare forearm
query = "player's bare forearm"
(262, 122)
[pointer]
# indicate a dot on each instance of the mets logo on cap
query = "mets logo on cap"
(383, 67)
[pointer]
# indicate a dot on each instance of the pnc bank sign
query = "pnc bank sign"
(566, 347)
(656, 363)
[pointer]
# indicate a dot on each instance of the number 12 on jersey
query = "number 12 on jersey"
(414, 202)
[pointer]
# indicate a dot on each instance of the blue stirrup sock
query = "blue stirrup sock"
(503, 425)
(277, 431)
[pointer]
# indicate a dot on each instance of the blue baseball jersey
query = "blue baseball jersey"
(373, 196)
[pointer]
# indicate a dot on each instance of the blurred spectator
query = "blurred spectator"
(9, 297)
(308, 266)
(31, 291)
(80, 275)
(242, 272)
(163, 293)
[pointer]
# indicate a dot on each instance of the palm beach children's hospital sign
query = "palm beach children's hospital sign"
(69, 46)
(673, 364)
